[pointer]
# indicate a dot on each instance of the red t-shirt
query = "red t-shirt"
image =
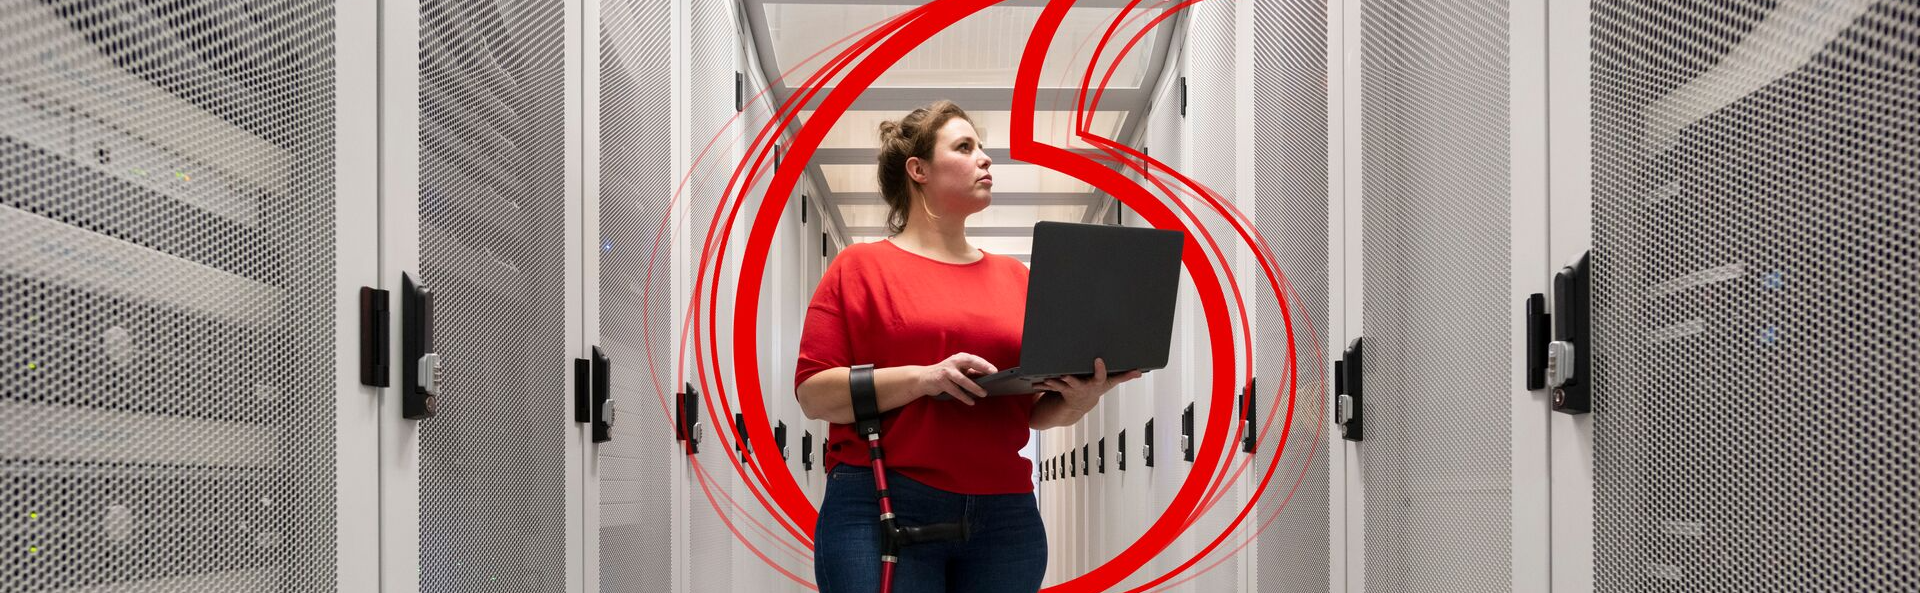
(880, 304)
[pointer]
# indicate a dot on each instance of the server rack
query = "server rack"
(1451, 213)
(1210, 109)
(711, 66)
(1750, 297)
(178, 410)
(631, 175)
(498, 205)
(1293, 158)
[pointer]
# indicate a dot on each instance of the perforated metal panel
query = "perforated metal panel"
(1165, 128)
(167, 252)
(1211, 84)
(1755, 171)
(636, 293)
(712, 43)
(1290, 179)
(1435, 241)
(492, 232)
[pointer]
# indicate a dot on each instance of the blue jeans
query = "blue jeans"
(1007, 550)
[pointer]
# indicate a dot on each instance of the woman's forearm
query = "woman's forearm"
(1052, 411)
(827, 396)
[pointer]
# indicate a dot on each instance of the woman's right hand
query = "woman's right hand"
(953, 377)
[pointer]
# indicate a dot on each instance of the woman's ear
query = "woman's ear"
(917, 170)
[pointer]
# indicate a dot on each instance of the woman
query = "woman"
(928, 311)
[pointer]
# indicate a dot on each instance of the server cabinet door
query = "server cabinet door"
(1753, 296)
(1291, 160)
(631, 180)
(1166, 138)
(488, 484)
(1208, 109)
(1453, 468)
(184, 204)
(709, 478)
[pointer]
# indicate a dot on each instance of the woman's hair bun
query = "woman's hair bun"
(902, 139)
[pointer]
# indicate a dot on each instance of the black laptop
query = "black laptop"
(1097, 291)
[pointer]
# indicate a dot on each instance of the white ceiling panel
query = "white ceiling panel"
(983, 50)
(974, 63)
(1006, 178)
(861, 129)
(875, 215)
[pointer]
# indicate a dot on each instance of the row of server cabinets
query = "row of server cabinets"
(197, 194)
(211, 207)
(1724, 191)
(1107, 480)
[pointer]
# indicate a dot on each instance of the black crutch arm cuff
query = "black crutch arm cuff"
(866, 401)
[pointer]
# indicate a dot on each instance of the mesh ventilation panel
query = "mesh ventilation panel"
(167, 261)
(712, 44)
(636, 294)
(1755, 205)
(492, 247)
(1290, 178)
(1211, 84)
(1435, 242)
(752, 572)
(1164, 143)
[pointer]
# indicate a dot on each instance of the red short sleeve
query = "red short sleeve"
(825, 341)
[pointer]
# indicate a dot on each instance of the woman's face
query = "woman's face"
(956, 180)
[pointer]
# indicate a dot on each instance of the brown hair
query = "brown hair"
(912, 136)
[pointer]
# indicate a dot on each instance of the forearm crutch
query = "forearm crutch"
(893, 536)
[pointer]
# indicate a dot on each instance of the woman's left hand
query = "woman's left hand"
(1083, 394)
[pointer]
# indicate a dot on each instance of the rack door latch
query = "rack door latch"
(591, 401)
(376, 348)
(1347, 387)
(421, 377)
(1186, 433)
(780, 438)
(1569, 356)
(806, 450)
(740, 444)
(1146, 444)
(686, 418)
(1100, 460)
(1249, 415)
